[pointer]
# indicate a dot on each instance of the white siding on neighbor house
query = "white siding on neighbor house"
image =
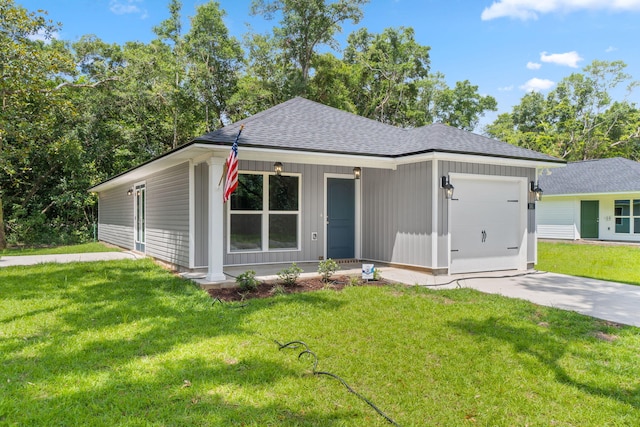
(558, 218)
(115, 217)
(396, 214)
(446, 167)
(311, 208)
(607, 227)
(167, 212)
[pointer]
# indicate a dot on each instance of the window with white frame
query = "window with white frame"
(627, 216)
(265, 213)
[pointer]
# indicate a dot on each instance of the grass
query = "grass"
(126, 343)
(616, 263)
(61, 250)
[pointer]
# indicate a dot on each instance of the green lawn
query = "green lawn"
(58, 250)
(606, 262)
(127, 343)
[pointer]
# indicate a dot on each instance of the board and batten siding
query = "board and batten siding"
(115, 217)
(396, 214)
(447, 167)
(558, 219)
(167, 225)
(311, 210)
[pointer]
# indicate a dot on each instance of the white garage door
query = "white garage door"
(487, 225)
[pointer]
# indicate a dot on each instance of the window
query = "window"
(265, 213)
(625, 217)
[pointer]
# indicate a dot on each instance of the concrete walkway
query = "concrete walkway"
(9, 261)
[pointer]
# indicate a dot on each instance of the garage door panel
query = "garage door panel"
(486, 226)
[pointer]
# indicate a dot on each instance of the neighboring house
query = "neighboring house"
(593, 199)
(394, 211)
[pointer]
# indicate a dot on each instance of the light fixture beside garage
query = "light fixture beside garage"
(537, 191)
(356, 172)
(277, 168)
(448, 187)
(130, 192)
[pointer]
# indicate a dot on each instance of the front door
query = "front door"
(589, 213)
(340, 218)
(139, 217)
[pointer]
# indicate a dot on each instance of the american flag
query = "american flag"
(231, 181)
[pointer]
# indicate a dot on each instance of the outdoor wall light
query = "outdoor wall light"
(130, 192)
(448, 187)
(537, 191)
(277, 167)
(356, 172)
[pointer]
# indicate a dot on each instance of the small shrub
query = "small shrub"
(354, 281)
(247, 281)
(290, 275)
(278, 290)
(376, 274)
(326, 269)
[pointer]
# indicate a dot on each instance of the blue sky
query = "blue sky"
(505, 47)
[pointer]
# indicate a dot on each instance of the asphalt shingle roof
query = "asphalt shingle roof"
(300, 124)
(614, 175)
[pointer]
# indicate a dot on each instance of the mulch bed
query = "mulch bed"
(266, 289)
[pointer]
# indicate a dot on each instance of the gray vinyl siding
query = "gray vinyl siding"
(201, 234)
(446, 167)
(396, 214)
(312, 215)
(167, 228)
(115, 217)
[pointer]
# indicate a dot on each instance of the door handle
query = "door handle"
(484, 236)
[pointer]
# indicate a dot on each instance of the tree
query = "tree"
(31, 73)
(304, 26)
(389, 68)
(579, 120)
(214, 61)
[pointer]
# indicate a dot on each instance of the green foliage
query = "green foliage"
(579, 119)
(290, 274)
(354, 281)
(326, 268)
(127, 343)
(247, 281)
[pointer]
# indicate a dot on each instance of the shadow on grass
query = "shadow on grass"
(109, 316)
(549, 344)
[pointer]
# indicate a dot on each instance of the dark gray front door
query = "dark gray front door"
(340, 218)
(589, 213)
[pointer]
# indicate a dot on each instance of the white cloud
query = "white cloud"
(533, 65)
(531, 9)
(537, 85)
(611, 49)
(570, 59)
(125, 7)
(506, 88)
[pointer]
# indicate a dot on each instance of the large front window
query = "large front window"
(627, 216)
(264, 213)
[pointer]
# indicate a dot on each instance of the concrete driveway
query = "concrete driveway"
(615, 302)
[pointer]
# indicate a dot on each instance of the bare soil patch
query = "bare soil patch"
(271, 288)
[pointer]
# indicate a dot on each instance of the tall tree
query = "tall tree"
(30, 86)
(305, 25)
(214, 60)
(389, 67)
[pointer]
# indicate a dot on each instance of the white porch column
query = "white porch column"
(216, 221)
